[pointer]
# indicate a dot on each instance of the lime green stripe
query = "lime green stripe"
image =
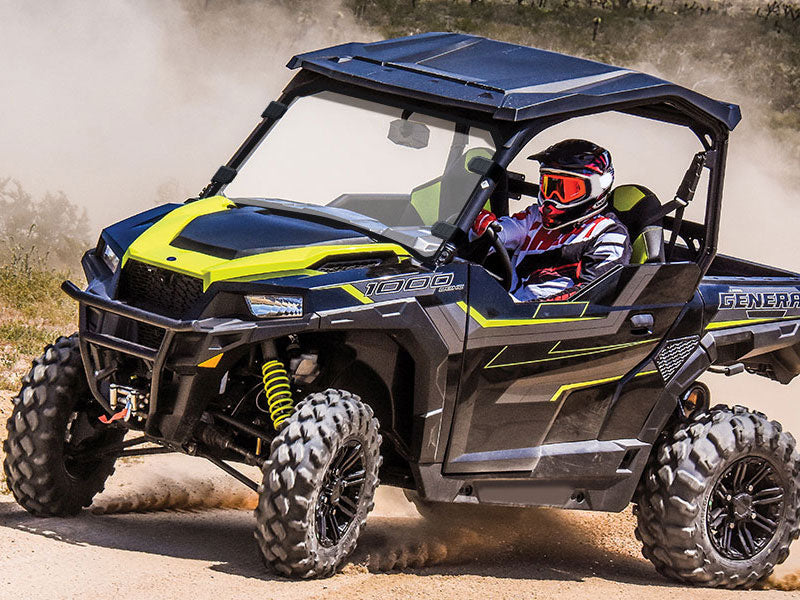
(350, 289)
(356, 293)
(726, 324)
(484, 322)
(584, 384)
(280, 275)
(583, 312)
(566, 353)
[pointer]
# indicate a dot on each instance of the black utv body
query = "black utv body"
(335, 324)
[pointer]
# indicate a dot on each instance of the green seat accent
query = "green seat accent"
(625, 197)
(639, 251)
(427, 198)
(426, 201)
(636, 207)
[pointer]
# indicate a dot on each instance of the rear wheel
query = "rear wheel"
(51, 463)
(319, 484)
(718, 503)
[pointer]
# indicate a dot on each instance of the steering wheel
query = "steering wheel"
(505, 262)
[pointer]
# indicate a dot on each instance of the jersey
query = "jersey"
(548, 263)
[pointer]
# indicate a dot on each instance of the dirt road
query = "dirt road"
(199, 552)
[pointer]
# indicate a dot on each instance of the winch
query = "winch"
(127, 403)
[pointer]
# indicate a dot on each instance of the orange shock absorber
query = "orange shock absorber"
(278, 391)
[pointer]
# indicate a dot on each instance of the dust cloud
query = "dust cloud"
(168, 492)
(126, 103)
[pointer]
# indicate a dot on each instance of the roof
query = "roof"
(512, 82)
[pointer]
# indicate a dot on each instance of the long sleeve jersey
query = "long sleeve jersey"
(557, 262)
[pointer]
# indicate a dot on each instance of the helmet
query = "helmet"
(575, 177)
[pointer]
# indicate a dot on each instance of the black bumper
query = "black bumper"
(184, 345)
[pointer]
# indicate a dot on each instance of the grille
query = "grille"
(674, 354)
(149, 336)
(160, 291)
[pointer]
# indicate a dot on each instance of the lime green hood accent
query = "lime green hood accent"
(153, 247)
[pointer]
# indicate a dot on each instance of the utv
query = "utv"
(321, 312)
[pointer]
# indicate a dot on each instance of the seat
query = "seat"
(640, 211)
(443, 197)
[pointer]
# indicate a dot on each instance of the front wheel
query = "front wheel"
(319, 484)
(52, 465)
(718, 503)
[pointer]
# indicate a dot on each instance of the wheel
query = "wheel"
(718, 502)
(319, 483)
(51, 462)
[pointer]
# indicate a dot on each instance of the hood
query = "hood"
(216, 240)
(249, 230)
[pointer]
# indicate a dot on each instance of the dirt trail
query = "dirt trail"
(208, 553)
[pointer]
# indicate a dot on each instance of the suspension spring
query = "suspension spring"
(278, 391)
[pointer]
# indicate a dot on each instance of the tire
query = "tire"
(697, 520)
(302, 484)
(55, 418)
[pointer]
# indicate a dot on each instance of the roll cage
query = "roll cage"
(706, 118)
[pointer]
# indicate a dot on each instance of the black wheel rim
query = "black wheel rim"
(745, 508)
(340, 495)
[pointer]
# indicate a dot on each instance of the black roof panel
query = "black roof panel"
(510, 81)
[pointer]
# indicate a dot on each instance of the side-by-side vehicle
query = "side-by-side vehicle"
(320, 311)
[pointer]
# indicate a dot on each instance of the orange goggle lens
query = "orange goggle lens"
(564, 188)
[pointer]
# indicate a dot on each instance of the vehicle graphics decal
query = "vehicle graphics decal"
(392, 288)
(759, 300)
(440, 282)
(555, 354)
(750, 306)
(584, 384)
(575, 312)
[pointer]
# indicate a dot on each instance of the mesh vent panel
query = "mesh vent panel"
(674, 354)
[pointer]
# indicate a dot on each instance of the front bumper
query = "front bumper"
(174, 409)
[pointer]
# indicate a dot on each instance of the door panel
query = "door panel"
(539, 377)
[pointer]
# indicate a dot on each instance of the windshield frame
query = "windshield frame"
(308, 84)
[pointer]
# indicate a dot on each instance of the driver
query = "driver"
(570, 237)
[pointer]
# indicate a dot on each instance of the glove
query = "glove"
(482, 222)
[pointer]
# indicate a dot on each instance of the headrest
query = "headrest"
(636, 206)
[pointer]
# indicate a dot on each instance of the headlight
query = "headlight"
(110, 258)
(273, 305)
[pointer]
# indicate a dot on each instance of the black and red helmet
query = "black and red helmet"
(575, 177)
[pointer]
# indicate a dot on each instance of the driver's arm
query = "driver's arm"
(610, 248)
(515, 228)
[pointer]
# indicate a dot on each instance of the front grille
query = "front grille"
(674, 354)
(158, 290)
(149, 335)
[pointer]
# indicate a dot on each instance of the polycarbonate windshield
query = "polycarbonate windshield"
(362, 162)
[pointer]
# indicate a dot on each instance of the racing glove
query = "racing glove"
(482, 222)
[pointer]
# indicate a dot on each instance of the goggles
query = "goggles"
(564, 188)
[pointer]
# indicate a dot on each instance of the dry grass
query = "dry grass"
(33, 312)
